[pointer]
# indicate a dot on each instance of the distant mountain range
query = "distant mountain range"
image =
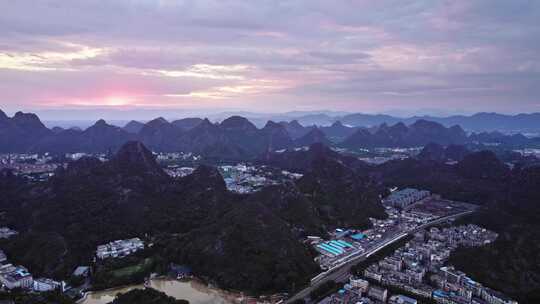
(479, 122)
(236, 137)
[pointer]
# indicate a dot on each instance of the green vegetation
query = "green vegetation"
(210, 229)
(75, 281)
(129, 270)
(21, 297)
(146, 296)
(341, 197)
(510, 264)
(144, 266)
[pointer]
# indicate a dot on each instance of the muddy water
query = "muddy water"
(193, 291)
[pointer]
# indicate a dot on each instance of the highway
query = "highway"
(340, 273)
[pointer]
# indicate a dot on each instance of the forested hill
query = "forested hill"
(194, 220)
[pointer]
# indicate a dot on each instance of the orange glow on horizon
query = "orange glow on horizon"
(117, 101)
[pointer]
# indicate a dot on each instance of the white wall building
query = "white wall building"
(119, 249)
(45, 284)
(406, 197)
(15, 277)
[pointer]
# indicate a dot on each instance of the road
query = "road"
(341, 272)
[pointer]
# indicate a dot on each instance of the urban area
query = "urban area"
(418, 271)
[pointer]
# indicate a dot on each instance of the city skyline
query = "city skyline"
(422, 57)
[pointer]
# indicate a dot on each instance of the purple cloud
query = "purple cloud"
(259, 55)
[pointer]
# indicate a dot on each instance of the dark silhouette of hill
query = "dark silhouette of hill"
(420, 133)
(478, 122)
(243, 134)
(295, 129)
(133, 127)
(337, 132)
(314, 136)
(236, 138)
(20, 132)
(100, 137)
(276, 136)
(197, 220)
(302, 160)
(146, 296)
(515, 140)
(464, 181)
(342, 197)
(436, 152)
(210, 140)
(186, 124)
(158, 134)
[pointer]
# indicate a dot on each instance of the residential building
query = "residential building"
(359, 284)
(377, 293)
(493, 297)
(45, 284)
(400, 299)
(119, 248)
(82, 271)
(16, 277)
(406, 197)
(6, 233)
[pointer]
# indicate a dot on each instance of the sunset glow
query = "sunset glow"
(441, 56)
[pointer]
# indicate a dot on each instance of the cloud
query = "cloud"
(343, 55)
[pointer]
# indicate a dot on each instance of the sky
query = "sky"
(408, 57)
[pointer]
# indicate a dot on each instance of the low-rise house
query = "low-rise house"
(82, 271)
(360, 284)
(401, 299)
(6, 233)
(379, 294)
(493, 297)
(119, 248)
(3, 257)
(406, 197)
(45, 284)
(16, 277)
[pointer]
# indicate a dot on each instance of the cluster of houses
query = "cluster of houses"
(418, 268)
(18, 277)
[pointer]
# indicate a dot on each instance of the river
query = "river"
(193, 291)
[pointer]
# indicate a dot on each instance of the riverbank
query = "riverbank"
(195, 291)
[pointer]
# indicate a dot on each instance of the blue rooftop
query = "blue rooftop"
(358, 236)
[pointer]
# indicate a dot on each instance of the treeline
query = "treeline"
(146, 296)
(133, 269)
(23, 297)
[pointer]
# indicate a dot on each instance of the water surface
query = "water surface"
(193, 291)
